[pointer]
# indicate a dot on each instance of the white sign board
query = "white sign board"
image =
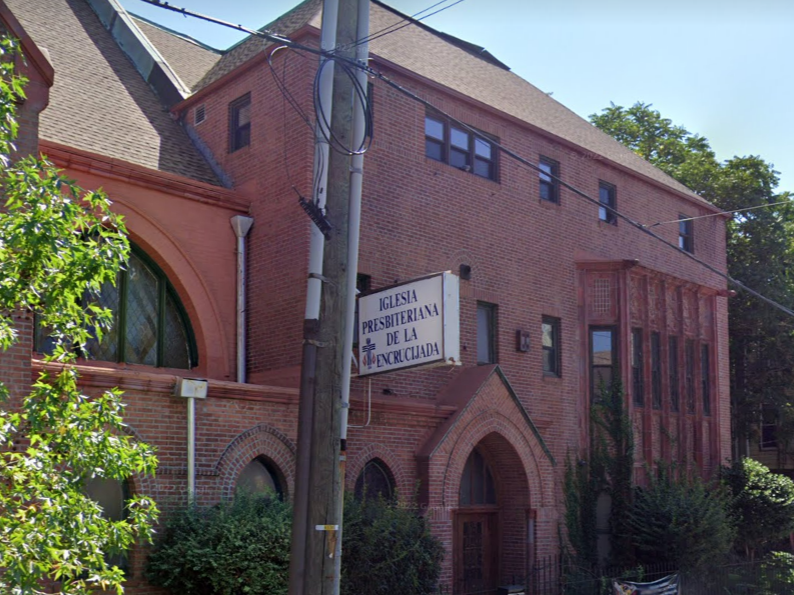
(412, 324)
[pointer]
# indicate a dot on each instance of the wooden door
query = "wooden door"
(476, 555)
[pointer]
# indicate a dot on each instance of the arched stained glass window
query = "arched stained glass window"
(150, 326)
(259, 477)
(476, 483)
(375, 481)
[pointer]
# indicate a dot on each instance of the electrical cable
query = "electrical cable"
(410, 94)
(723, 213)
(363, 100)
(402, 23)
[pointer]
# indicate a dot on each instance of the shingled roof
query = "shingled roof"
(463, 67)
(99, 102)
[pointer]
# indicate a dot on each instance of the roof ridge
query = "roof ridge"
(267, 28)
(175, 33)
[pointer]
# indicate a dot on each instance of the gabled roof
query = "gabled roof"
(99, 102)
(460, 66)
(189, 58)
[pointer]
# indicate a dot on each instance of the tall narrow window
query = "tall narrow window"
(486, 333)
(637, 381)
(656, 370)
(689, 372)
(705, 378)
(603, 359)
(375, 482)
(549, 186)
(769, 423)
(435, 142)
(551, 346)
(240, 123)
(672, 362)
(607, 197)
(686, 238)
(112, 496)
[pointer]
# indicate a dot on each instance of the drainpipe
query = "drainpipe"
(241, 225)
(191, 389)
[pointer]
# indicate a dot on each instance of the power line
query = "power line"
(410, 94)
(774, 204)
(405, 22)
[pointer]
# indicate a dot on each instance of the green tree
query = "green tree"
(760, 253)
(763, 504)
(59, 246)
(684, 522)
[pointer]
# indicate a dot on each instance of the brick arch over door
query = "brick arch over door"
(259, 441)
(377, 451)
(528, 457)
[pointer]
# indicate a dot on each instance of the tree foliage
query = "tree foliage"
(59, 246)
(760, 253)
(683, 521)
(763, 504)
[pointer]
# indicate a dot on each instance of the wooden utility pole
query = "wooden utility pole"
(327, 461)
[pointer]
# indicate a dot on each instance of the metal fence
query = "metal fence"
(558, 575)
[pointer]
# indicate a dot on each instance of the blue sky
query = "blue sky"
(721, 68)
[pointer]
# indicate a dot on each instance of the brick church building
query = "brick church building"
(191, 144)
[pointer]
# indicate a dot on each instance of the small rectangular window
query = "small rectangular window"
(656, 370)
(686, 238)
(549, 186)
(604, 369)
(705, 378)
(240, 123)
(637, 380)
(486, 333)
(607, 198)
(675, 391)
(689, 375)
(551, 346)
(459, 147)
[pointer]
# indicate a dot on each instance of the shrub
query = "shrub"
(235, 547)
(243, 547)
(763, 504)
(682, 522)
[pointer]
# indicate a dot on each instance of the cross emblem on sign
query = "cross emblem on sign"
(368, 348)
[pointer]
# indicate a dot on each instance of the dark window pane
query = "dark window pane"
(551, 345)
(374, 482)
(459, 159)
(606, 196)
(549, 188)
(674, 377)
(141, 316)
(465, 484)
(434, 128)
(176, 352)
(434, 150)
(705, 372)
(106, 350)
(656, 370)
(112, 496)
(689, 371)
(485, 333)
(769, 423)
(483, 168)
(257, 478)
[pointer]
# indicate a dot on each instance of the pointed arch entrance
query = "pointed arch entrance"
(491, 521)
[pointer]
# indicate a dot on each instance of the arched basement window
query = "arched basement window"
(150, 326)
(112, 496)
(375, 481)
(259, 477)
(476, 484)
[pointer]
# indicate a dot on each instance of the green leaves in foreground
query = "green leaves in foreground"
(59, 246)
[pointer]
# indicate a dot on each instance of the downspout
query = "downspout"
(241, 225)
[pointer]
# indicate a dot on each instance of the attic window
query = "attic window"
(200, 114)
